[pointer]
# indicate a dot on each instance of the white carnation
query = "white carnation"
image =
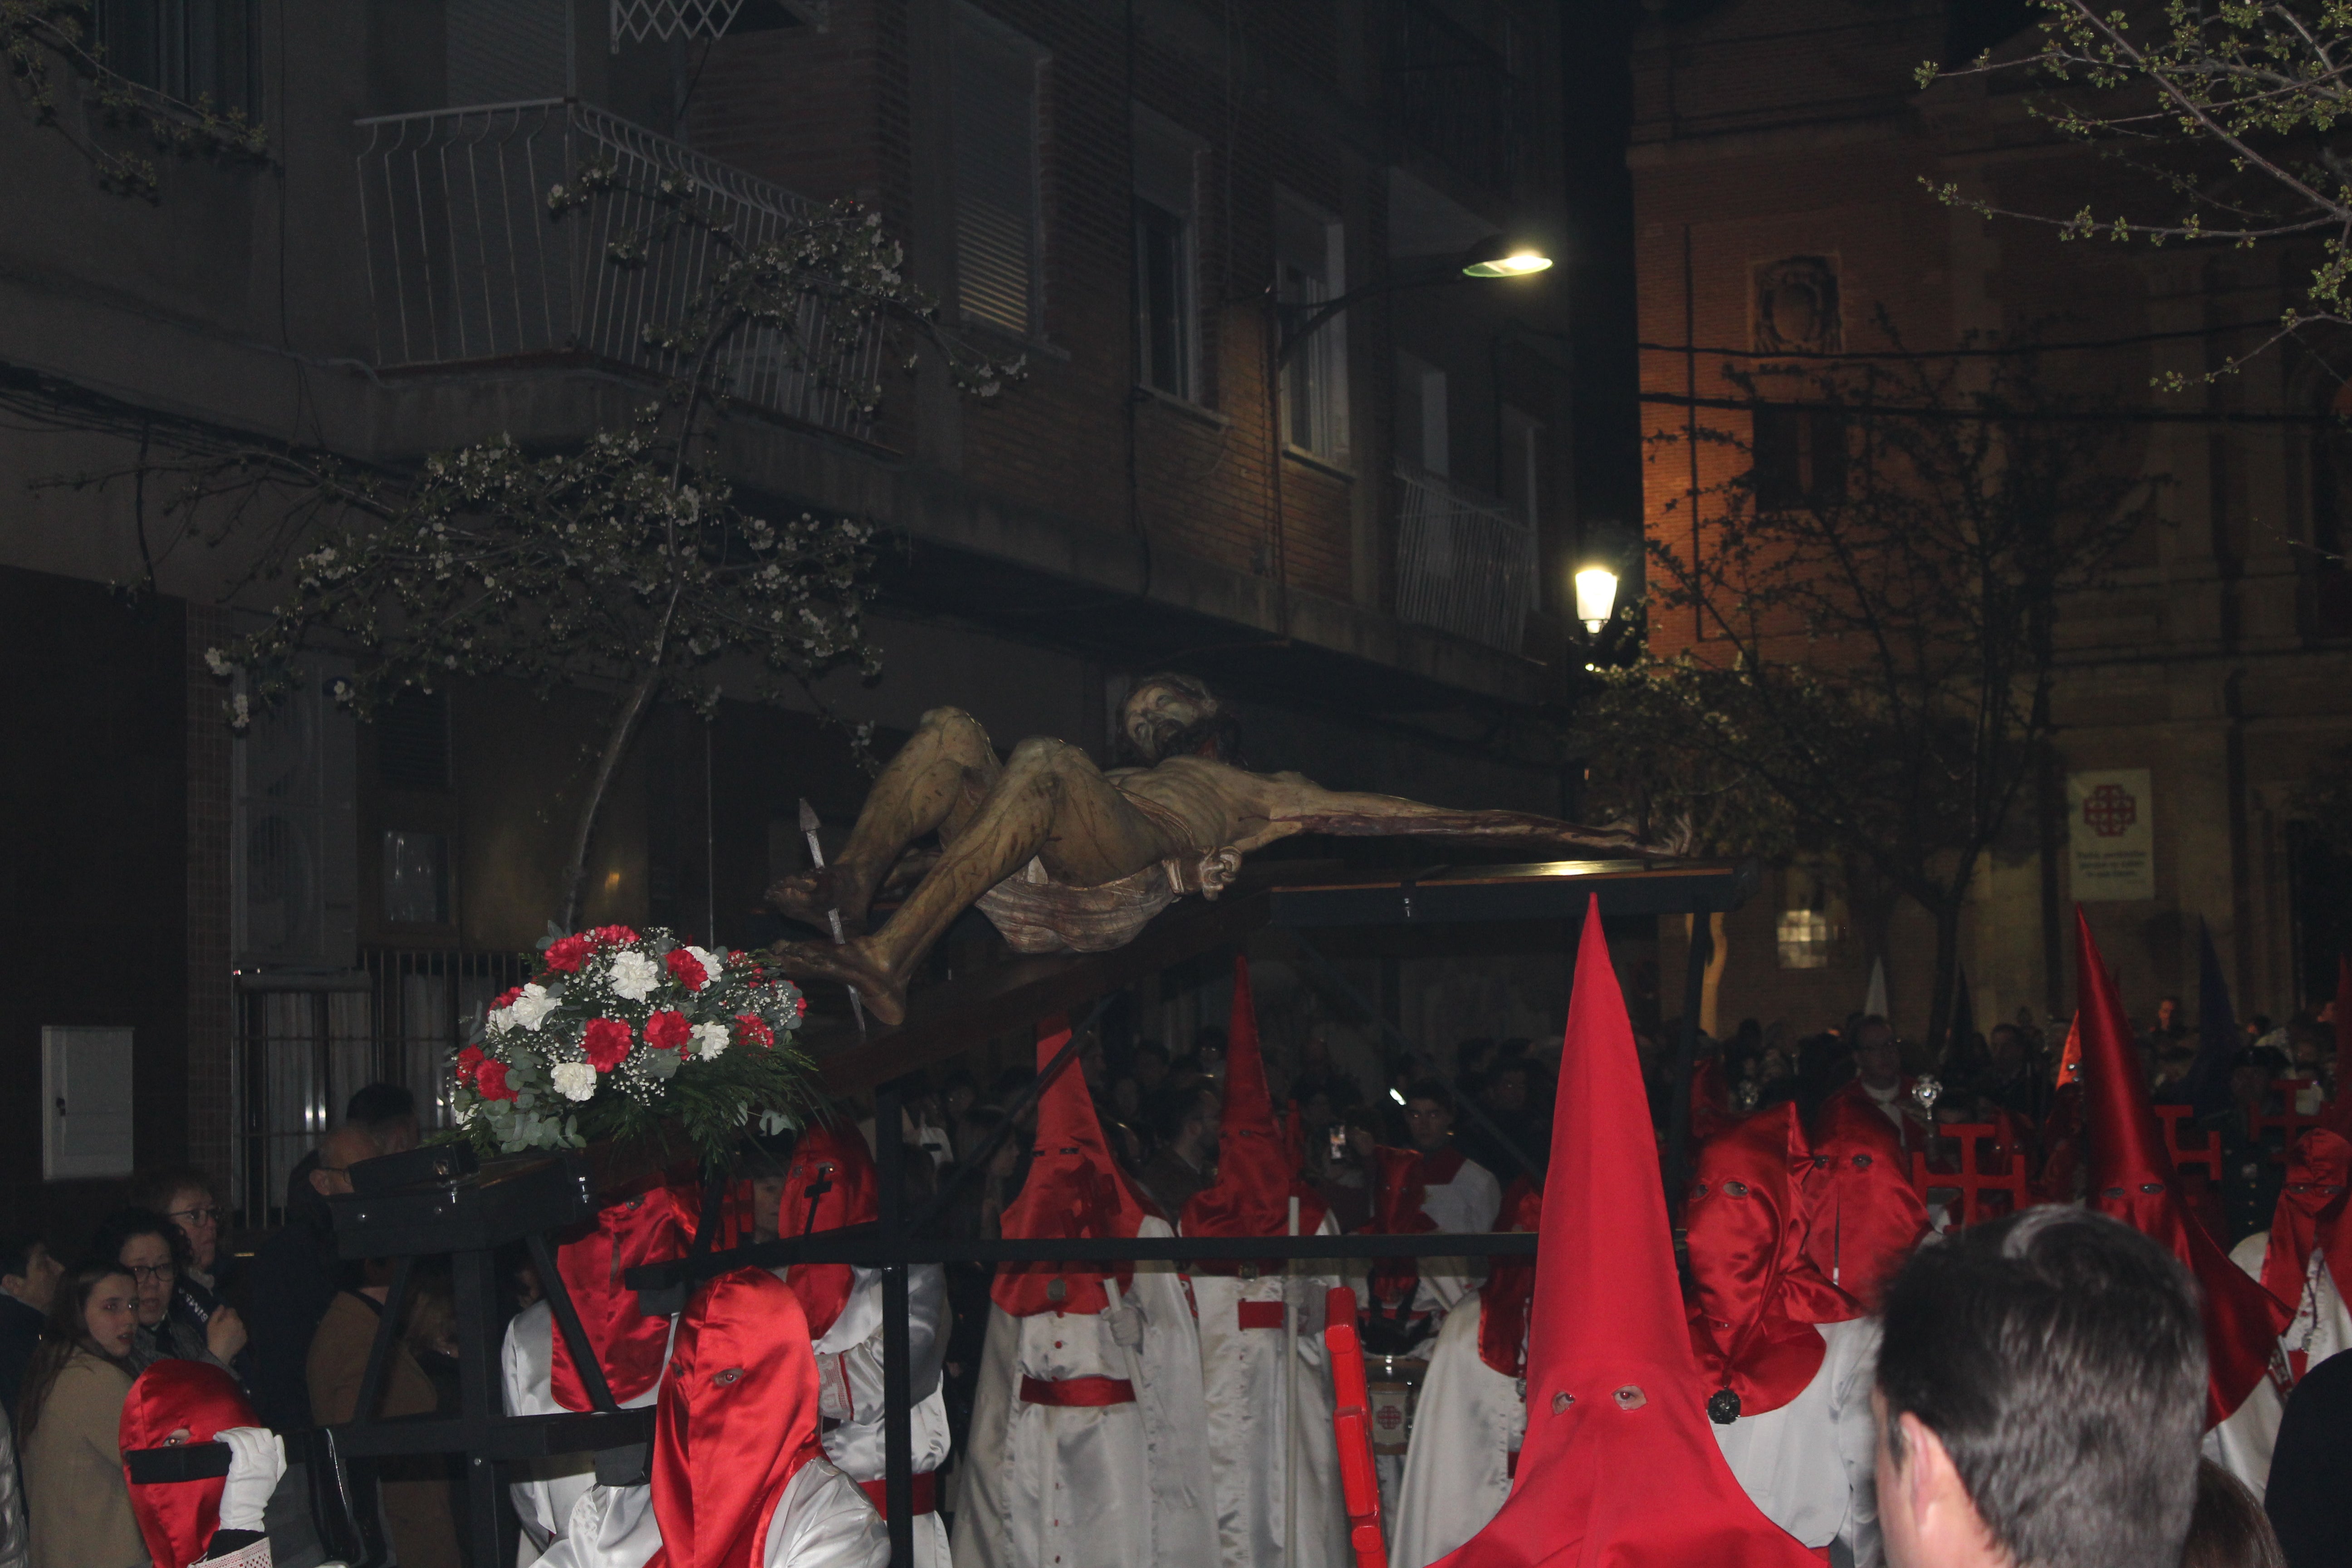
(711, 962)
(711, 1039)
(530, 1009)
(575, 1081)
(501, 1020)
(635, 975)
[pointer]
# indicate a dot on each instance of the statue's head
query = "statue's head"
(1170, 715)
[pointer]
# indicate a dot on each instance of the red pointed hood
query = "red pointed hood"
(830, 1185)
(653, 1224)
(1510, 1285)
(1257, 1167)
(1619, 1468)
(1755, 1295)
(2311, 1214)
(1074, 1190)
(2133, 1180)
(177, 1519)
(737, 1418)
(1863, 1216)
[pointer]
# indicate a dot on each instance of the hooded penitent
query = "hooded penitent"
(177, 1518)
(1619, 1468)
(2132, 1180)
(1075, 1191)
(2313, 1214)
(1863, 1216)
(1755, 1296)
(1398, 1192)
(736, 1419)
(1257, 1163)
(1510, 1285)
(830, 1184)
(653, 1224)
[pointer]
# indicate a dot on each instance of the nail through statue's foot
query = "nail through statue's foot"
(853, 964)
(811, 897)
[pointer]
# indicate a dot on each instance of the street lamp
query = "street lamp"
(1489, 258)
(1596, 597)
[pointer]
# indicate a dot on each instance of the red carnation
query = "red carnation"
(800, 1002)
(568, 953)
(491, 1081)
(506, 998)
(606, 1041)
(667, 1030)
(687, 968)
(755, 1030)
(612, 936)
(469, 1062)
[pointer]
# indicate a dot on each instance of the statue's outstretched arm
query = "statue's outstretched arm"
(1292, 805)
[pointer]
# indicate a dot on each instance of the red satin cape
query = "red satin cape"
(2311, 1214)
(737, 1418)
(177, 1519)
(837, 1156)
(1755, 1296)
(653, 1223)
(1400, 1188)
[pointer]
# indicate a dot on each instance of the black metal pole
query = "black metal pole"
(1678, 1118)
(898, 1383)
(477, 1338)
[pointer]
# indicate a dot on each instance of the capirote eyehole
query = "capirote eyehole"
(1630, 1397)
(730, 1375)
(1561, 1401)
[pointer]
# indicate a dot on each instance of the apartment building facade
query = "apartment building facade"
(1782, 157)
(1365, 542)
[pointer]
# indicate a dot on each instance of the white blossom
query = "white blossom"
(530, 1009)
(575, 1081)
(711, 962)
(217, 663)
(633, 975)
(711, 1039)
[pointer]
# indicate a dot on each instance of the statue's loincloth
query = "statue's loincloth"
(1037, 914)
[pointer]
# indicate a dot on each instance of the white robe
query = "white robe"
(849, 1371)
(1810, 1465)
(544, 1490)
(822, 1521)
(1466, 1425)
(1249, 1463)
(1466, 1204)
(2241, 1444)
(1112, 1486)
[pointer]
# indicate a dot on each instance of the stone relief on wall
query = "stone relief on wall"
(1794, 306)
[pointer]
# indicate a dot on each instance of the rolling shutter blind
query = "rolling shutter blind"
(996, 181)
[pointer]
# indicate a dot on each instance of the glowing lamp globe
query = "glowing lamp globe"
(1596, 597)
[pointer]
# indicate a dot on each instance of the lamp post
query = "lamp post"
(1489, 258)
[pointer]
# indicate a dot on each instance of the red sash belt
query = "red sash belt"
(927, 1493)
(1077, 1391)
(1260, 1315)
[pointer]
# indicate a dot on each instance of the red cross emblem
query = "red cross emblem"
(2108, 810)
(1388, 1417)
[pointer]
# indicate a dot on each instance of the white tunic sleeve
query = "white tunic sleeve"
(824, 1522)
(609, 1527)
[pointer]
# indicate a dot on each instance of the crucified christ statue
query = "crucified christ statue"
(1063, 856)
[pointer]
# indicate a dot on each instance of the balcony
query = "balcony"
(1465, 564)
(464, 264)
(1456, 99)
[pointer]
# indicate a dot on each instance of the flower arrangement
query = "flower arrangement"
(619, 1031)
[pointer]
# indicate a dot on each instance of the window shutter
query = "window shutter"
(996, 181)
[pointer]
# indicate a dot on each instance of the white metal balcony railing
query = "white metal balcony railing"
(1465, 564)
(466, 264)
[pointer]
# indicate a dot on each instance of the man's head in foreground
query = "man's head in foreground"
(2041, 1392)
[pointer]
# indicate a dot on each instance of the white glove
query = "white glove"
(1126, 1325)
(256, 1462)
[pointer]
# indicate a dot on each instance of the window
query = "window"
(1423, 422)
(412, 742)
(1805, 939)
(415, 879)
(1164, 331)
(1310, 253)
(995, 154)
(1798, 457)
(197, 51)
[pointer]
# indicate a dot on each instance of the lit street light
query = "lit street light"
(1596, 597)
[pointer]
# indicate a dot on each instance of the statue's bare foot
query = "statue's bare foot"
(854, 965)
(811, 897)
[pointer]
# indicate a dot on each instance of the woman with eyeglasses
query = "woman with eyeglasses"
(154, 1253)
(69, 1424)
(186, 1196)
